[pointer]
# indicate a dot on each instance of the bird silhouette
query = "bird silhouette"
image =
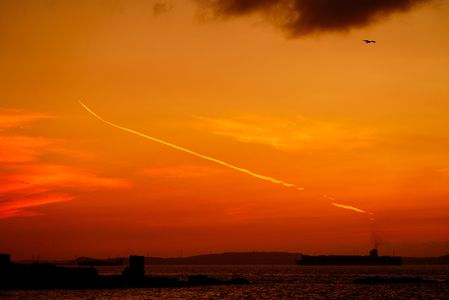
(369, 41)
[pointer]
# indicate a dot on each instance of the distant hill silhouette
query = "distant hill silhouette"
(241, 258)
(229, 258)
(87, 261)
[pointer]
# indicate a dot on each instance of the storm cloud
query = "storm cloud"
(303, 17)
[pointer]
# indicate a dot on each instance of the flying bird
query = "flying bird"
(369, 41)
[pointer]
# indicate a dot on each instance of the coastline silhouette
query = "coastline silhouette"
(50, 276)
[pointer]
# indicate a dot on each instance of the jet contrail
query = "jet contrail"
(351, 208)
(344, 206)
(266, 178)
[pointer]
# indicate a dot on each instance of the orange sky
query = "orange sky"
(360, 125)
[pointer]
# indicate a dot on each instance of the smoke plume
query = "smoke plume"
(302, 17)
(376, 240)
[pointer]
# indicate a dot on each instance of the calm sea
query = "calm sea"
(270, 282)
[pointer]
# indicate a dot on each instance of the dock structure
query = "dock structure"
(136, 267)
(5, 260)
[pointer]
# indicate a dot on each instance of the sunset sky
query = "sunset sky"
(301, 100)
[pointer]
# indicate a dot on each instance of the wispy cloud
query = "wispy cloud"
(162, 7)
(293, 134)
(13, 118)
(35, 177)
(21, 149)
(19, 206)
(27, 180)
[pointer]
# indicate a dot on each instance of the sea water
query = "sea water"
(270, 282)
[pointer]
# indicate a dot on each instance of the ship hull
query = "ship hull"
(349, 260)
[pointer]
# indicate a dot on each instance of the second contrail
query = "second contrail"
(344, 206)
(220, 162)
(349, 207)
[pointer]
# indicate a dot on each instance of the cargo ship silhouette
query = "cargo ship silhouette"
(347, 260)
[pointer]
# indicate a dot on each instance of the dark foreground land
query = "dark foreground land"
(50, 276)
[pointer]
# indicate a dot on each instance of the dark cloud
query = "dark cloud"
(302, 17)
(162, 7)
